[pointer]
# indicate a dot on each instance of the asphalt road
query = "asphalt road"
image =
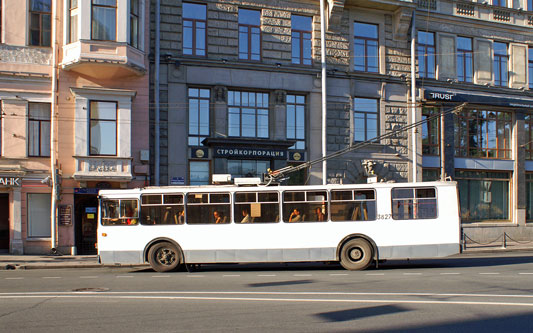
(468, 293)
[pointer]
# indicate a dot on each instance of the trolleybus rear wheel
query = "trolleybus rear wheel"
(356, 254)
(164, 257)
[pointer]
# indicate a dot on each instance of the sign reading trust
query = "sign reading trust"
(10, 181)
(252, 153)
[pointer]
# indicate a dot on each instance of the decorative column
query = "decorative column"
(17, 247)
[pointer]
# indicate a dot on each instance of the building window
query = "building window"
(464, 59)
(499, 3)
(198, 115)
(40, 22)
(366, 47)
(430, 132)
(528, 123)
(39, 214)
(104, 20)
(247, 168)
(529, 196)
(194, 27)
(501, 59)
(483, 133)
(366, 118)
(248, 114)
(134, 23)
(430, 174)
(301, 32)
(484, 195)
(73, 11)
(39, 129)
(198, 173)
(103, 128)
(426, 54)
(530, 5)
(530, 66)
(249, 34)
(296, 120)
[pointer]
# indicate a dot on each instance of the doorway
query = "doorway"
(4, 222)
(86, 211)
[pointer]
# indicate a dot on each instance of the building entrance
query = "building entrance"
(86, 211)
(4, 222)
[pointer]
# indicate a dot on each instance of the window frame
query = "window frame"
(239, 205)
(249, 37)
(41, 29)
(241, 107)
(353, 201)
(134, 41)
(298, 204)
(431, 148)
(499, 3)
(528, 131)
(105, 120)
(366, 119)
(209, 206)
(530, 65)
(73, 16)
(208, 172)
(464, 56)
(194, 30)
(302, 58)
(200, 127)
(422, 53)
(162, 205)
(366, 47)
(416, 200)
(300, 143)
(44, 217)
(93, 6)
(40, 135)
(120, 219)
(500, 61)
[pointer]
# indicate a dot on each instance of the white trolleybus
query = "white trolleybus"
(353, 224)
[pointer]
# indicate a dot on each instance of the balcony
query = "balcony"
(103, 59)
(102, 168)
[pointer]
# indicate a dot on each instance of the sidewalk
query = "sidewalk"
(8, 261)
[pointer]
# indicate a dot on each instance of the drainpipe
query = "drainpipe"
(413, 95)
(53, 124)
(324, 102)
(156, 90)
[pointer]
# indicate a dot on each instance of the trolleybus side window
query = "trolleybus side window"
(208, 208)
(305, 206)
(414, 203)
(353, 205)
(256, 207)
(162, 209)
(120, 212)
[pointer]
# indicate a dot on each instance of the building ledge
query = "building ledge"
(101, 168)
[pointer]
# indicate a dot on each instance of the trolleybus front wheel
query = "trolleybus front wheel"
(164, 257)
(356, 254)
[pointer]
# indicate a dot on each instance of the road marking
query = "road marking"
(489, 273)
(338, 274)
(195, 276)
(266, 275)
(160, 276)
(51, 277)
(412, 273)
(525, 273)
(375, 273)
(15, 278)
(89, 277)
(124, 276)
(303, 275)
(451, 273)
(230, 275)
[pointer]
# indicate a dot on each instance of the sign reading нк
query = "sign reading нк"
(10, 181)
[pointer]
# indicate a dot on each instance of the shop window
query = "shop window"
(208, 208)
(426, 54)
(103, 128)
(39, 215)
(483, 133)
(256, 207)
(198, 115)
(73, 14)
(40, 22)
(430, 132)
(194, 28)
(414, 203)
(528, 124)
(366, 118)
(39, 129)
(301, 32)
(530, 65)
(529, 197)
(296, 120)
(159, 209)
(104, 20)
(465, 62)
(366, 44)
(134, 23)
(501, 66)
(247, 168)
(248, 114)
(484, 195)
(353, 205)
(198, 173)
(305, 206)
(249, 34)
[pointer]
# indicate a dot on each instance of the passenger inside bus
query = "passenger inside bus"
(319, 214)
(130, 214)
(246, 216)
(295, 216)
(181, 217)
(219, 217)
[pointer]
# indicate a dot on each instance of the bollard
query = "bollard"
(504, 245)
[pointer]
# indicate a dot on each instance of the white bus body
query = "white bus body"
(402, 225)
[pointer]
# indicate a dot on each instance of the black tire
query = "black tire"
(164, 257)
(356, 254)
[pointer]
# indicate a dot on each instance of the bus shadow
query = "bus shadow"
(354, 314)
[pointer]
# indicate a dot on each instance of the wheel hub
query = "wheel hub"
(166, 257)
(355, 254)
